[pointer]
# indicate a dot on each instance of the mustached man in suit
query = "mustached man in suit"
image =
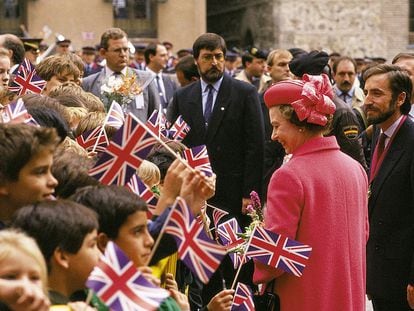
(390, 248)
(114, 49)
(225, 115)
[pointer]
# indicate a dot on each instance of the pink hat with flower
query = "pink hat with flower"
(311, 97)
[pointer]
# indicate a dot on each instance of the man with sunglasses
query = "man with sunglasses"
(114, 49)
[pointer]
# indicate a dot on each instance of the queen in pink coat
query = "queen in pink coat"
(319, 198)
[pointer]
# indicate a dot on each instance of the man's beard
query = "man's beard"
(346, 86)
(384, 115)
(212, 75)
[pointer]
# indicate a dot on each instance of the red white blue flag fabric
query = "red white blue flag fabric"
(121, 286)
(218, 214)
(124, 154)
(197, 158)
(229, 233)
(200, 253)
(153, 123)
(26, 80)
(16, 112)
(180, 128)
(115, 117)
(89, 139)
(278, 251)
(137, 186)
(243, 299)
(164, 125)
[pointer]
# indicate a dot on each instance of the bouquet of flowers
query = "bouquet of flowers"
(121, 89)
(255, 211)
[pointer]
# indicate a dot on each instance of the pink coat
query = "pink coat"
(319, 198)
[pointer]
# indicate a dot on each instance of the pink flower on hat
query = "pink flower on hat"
(316, 102)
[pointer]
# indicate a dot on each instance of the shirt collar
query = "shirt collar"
(339, 92)
(109, 72)
(390, 131)
(216, 85)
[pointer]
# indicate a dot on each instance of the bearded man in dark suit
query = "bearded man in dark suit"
(390, 248)
(225, 115)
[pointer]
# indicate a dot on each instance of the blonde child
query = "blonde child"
(23, 276)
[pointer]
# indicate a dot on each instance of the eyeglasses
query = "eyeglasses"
(119, 50)
(64, 45)
(209, 57)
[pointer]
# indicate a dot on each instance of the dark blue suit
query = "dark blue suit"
(234, 139)
(390, 248)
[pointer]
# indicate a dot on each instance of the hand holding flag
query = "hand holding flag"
(121, 286)
(229, 233)
(200, 253)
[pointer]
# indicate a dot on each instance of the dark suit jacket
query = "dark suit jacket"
(94, 82)
(390, 248)
(234, 139)
(94, 69)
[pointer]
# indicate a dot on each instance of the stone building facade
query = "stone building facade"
(371, 28)
(83, 21)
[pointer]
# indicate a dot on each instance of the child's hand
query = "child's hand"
(147, 272)
(24, 296)
(170, 282)
(222, 301)
(80, 306)
(181, 300)
(171, 186)
(195, 191)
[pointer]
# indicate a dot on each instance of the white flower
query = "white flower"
(106, 89)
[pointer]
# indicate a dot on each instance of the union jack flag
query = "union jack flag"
(97, 137)
(115, 117)
(200, 253)
(243, 298)
(278, 251)
(197, 157)
(153, 124)
(164, 125)
(124, 154)
(26, 80)
(229, 234)
(180, 128)
(218, 214)
(143, 191)
(16, 112)
(121, 286)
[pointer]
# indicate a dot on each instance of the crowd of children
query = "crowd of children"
(47, 194)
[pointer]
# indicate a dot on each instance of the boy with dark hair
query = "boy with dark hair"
(25, 167)
(66, 233)
(123, 220)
